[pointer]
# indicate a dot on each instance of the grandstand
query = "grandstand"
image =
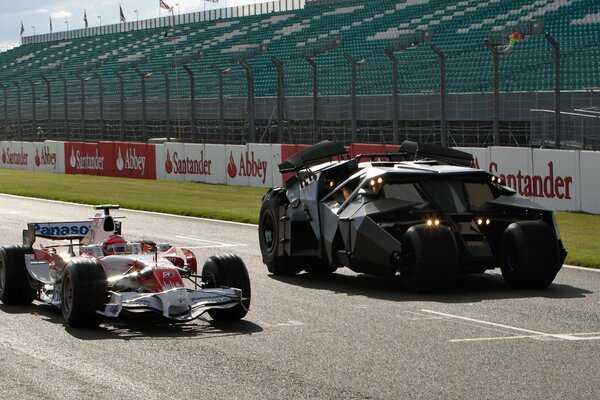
(212, 76)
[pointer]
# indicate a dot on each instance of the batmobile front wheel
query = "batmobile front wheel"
(83, 293)
(269, 235)
(530, 255)
(228, 270)
(430, 256)
(15, 287)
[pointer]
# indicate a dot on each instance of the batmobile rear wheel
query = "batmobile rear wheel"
(530, 255)
(430, 258)
(83, 293)
(15, 287)
(228, 270)
(268, 236)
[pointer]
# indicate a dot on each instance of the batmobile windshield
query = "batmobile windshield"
(451, 194)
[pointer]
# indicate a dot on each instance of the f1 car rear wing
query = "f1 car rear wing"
(72, 230)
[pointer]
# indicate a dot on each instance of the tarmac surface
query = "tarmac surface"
(348, 336)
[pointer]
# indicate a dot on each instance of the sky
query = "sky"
(36, 14)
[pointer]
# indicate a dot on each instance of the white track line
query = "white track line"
(513, 328)
(212, 243)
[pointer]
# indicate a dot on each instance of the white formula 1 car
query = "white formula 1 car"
(96, 273)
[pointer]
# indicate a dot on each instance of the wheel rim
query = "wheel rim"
(68, 294)
(268, 224)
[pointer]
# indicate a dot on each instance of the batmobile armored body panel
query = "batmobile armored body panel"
(423, 212)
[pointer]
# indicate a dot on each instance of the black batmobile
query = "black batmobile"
(423, 212)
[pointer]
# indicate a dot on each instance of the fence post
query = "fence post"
(280, 97)
(443, 130)
(122, 104)
(251, 111)
(143, 76)
(49, 100)
(18, 107)
(557, 129)
(33, 101)
(167, 102)
(221, 101)
(5, 108)
(192, 101)
(82, 89)
(353, 65)
(496, 77)
(315, 94)
(395, 134)
(65, 103)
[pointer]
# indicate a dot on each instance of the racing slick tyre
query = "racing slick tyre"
(530, 255)
(268, 235)
(15, 287)
(430, 257)
(228, 270)
(84, 290)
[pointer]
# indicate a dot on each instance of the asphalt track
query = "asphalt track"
(347, 337)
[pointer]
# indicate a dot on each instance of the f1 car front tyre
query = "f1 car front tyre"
(530, 255)
(15, 287)
(228, 270)
(430, 256)
(268, 235)
(84, 289)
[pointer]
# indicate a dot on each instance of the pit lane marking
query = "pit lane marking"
(211, 243)
(532, 333)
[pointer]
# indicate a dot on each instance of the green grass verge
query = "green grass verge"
(231, 203)
(579, 232)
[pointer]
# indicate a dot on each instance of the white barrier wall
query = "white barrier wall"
(38, 156)
(589, 167)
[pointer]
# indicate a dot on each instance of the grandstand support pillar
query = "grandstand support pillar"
(143, 77)
(557, 128)
(49, 99)
(192, 101)
(167, 102)
(33, 101)
(353, 64)
(496, 63)
(18, 108)
(396, 135)
(443, 130)
(121, 105)
(65, 104)
(315, 93)
(251, 111)
(5, 96)
(280, 97)
(101, 95)
(221, 102)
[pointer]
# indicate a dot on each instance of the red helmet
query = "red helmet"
(113, 244)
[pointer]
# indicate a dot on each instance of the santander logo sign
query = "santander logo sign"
(86, 162)
(14, 158)
(199, 165)
(247, 166)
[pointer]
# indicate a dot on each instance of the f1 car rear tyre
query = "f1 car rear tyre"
(268, 235)
(228, 270)
(530, 255)
(15, 287)
(84, 289)
(430, 256)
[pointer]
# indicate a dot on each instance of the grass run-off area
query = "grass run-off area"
(580, 232)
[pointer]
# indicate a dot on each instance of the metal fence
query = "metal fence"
(217, 105)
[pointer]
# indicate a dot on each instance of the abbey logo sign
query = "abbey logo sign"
(248, 166)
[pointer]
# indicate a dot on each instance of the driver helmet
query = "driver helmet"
(113, 245)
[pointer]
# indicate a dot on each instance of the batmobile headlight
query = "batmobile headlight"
(483, 221)
(331, 184)
(433, 222)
